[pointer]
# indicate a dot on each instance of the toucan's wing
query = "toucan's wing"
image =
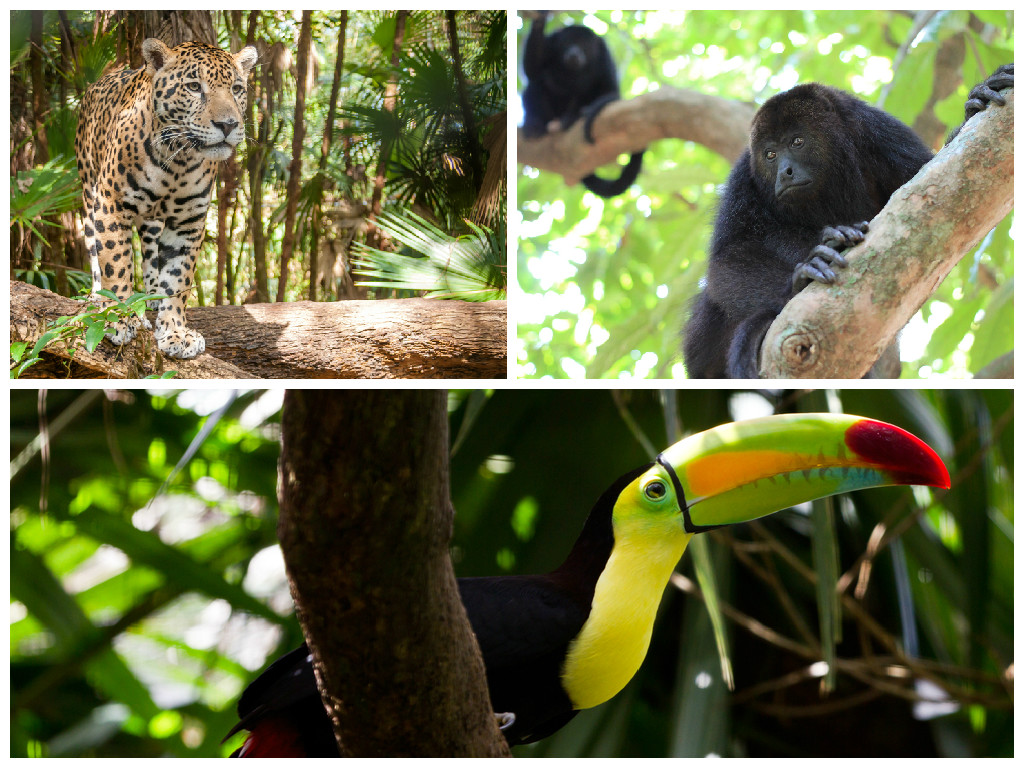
(520, 620)
(288, 680)
(524, 625)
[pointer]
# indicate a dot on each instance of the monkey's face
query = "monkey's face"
(790, 150)
(788, 165)
(804, 156)
(577, 48)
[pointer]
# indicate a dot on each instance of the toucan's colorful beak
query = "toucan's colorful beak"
(747, 469)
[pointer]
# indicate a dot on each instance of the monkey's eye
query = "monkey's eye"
(655, 491)
(770, 155)
(797, 142)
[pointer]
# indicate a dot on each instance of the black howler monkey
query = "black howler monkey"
(821, 164)
(570, 74)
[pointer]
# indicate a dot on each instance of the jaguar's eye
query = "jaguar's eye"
(655, 490)
(238, 90)
(194, 87)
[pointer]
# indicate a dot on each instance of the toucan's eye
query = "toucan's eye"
(655, 491)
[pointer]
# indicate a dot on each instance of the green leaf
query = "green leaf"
(825, 552)
(94, 335)
(699, 721)
(18, 349)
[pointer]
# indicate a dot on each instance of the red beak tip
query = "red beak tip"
(910, 460)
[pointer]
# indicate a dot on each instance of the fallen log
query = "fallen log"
(371, 339)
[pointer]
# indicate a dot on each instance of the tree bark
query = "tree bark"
(325, 151)
(630, 125)
(381, 339)
(227, 185)
(365, 525)
(469, 123)
(913, 243)
(298, 139)
(255, 165)
(39, 92)
(390, 104)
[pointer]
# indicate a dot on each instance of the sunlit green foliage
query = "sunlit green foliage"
(471, 267)
(606, 284)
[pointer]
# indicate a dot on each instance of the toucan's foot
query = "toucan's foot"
(505, 719)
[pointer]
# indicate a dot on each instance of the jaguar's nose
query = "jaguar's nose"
(226, 126)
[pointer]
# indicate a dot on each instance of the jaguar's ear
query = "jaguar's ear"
(155, 54)
(246, 59)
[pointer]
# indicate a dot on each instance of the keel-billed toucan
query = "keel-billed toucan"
(571, 639)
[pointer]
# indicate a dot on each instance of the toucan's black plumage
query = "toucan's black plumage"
(523, 624)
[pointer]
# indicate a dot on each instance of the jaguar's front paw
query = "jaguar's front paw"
(181, 343)
(126, 329)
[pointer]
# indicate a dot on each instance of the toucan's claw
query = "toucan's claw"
(505, 719)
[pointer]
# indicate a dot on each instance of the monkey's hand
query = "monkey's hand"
(824, 259)
(988, 91)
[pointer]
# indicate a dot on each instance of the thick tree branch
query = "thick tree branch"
(381, 339)
(365, 526)
(630, 125)
(925, 229)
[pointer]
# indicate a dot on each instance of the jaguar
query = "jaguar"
(148, 144)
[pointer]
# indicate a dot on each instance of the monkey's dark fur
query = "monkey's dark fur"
(570, 75)
(821, 164)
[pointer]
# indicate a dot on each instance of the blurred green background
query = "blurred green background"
(604, 286)
(137, 617)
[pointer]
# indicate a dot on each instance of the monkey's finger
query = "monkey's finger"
(982, 98)
(804, 275)
(850, 236)
(816, 269)
(828, 251)
(822, 258)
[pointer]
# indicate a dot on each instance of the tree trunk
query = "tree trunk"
(390, 104)
(227, 185)
(468, 121)
(298, 139)
(365, 527)
(381, 339)
(39, 92)
(325, 151)
(255, 166)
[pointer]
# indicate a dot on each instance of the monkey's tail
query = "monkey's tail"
(614, 187)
